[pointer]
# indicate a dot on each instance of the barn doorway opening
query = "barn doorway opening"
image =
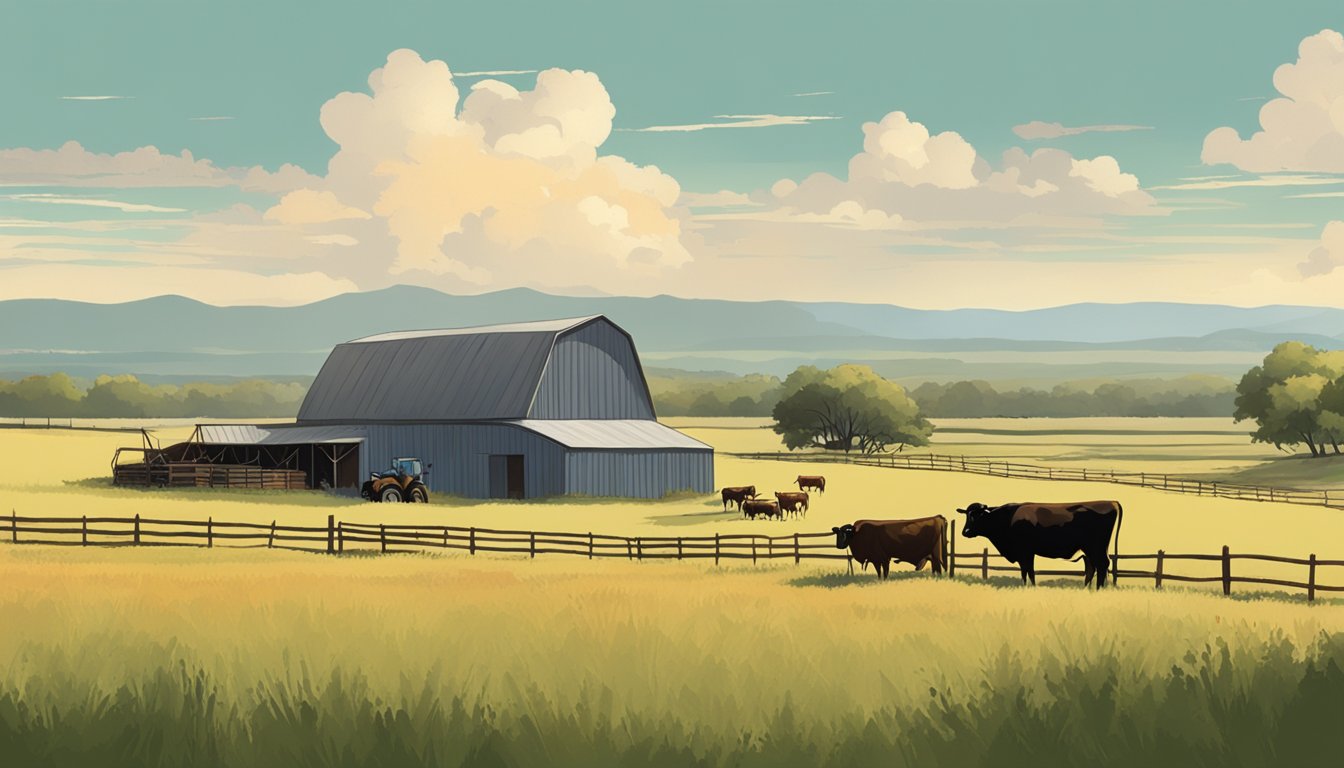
(507, 477)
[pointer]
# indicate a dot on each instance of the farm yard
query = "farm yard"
(249, 657)
(1154, 519)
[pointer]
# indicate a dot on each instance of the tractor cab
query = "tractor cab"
(403, 482)
(409, 467)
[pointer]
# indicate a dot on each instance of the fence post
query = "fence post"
(445, 537)
(1158, 573)
(716, 548)
(1084, 473)
(14, 526)
(797, 551)
(639, 547)
(984, 564)
(1311, 578)
(84, 531)
(590, 545)
(340, 537)
(471, 542)
(1227, 571)
(270, 540)
(382, 536)
(532, 544)
(331, 534)
(137, 529)
(629, 550)
(678, 547)
(952, 556)
(753, 550)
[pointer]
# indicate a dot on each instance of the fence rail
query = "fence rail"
(338, 537)
(983, 466)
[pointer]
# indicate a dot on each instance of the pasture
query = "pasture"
(174, 657)
(228, 657)
(63, 473)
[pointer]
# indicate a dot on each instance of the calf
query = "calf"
(753, 507)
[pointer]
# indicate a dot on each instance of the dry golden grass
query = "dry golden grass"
(298, 652)
(36, 465)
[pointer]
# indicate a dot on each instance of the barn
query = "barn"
(521, 411)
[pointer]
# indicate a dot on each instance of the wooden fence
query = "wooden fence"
(338, 537)
(997, 468)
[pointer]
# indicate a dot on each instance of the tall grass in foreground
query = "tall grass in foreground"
(142, 658)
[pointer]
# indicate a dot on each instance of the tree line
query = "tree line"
(756, 395)
(125, 396)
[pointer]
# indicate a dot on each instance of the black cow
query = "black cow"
(1020, 532)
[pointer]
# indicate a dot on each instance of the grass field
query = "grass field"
(217, 657)
(175, 657)
(37, 467)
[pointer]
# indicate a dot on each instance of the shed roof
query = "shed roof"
(455, 374)
(279, 434)
(610, 433)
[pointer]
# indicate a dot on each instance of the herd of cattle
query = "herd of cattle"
(1020, 532)
(786, 502)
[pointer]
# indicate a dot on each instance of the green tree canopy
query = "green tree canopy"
(1296, 397)
(847, 408)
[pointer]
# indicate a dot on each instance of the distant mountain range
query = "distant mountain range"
(174, 337)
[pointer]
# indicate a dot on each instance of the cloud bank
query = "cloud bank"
(1303, 129)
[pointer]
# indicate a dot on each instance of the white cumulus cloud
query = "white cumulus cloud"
(922, 177)
(504, 187)
(1302, 129)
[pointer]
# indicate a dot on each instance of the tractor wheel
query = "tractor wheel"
(419, 495)
(391, 493)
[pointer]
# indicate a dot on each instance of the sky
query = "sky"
(933, 155)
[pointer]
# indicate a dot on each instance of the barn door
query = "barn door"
(515, 483)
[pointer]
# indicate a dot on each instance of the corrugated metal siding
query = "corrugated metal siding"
(461, 454)
(448, 377)
(638, 474)
(593, 373)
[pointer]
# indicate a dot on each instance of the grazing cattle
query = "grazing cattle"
(811, 481)
(737, 495)
(794, 502)
(754, 507)
(1021, 532)
(919, 541)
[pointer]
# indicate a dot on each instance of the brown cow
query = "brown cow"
(879, 542)
(753, 507)
(795, 502)
(737, 495)
(811, 481)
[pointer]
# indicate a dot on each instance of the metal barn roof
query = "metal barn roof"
(540, 326)
(460, 374)
(610, 433)
(250, 434)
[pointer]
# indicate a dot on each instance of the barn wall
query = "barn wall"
(647, 474)
(461, 453)
(593, 373)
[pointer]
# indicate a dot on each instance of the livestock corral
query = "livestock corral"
(649, 660)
